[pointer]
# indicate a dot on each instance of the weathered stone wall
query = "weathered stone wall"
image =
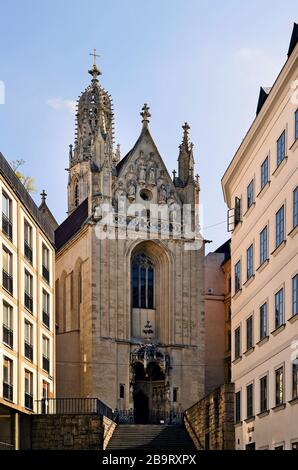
(67, 432)
(210, 422)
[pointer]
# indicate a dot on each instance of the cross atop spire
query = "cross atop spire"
(43, 196)
(186, 128)
(145, 115)
(95, 70)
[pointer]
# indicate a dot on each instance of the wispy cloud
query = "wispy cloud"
(58, 103)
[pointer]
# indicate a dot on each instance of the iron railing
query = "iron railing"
(76, 406)
(28, 301)
(46, 319)
(8, 336)
(28, 351)
(153, 417)
(45, 273)
(28, 401)
(7, 281)
(28, 251)
(46, 363)
(8, 391)
(6, 226)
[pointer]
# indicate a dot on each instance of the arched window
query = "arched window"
(76, 194)
(142, 282)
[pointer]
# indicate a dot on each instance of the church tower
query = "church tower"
(91, 160)
(130, 288)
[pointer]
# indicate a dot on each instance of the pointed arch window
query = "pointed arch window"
(76, 194)
(142, 282)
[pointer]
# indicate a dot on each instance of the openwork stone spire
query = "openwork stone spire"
(186, 159)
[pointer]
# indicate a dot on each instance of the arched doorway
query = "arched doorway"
(150, 390)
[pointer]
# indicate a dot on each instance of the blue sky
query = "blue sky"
(190, 60)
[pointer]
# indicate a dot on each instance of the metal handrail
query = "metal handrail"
(79, 406)
(193, 431)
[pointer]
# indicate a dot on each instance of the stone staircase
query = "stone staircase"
(151, 436)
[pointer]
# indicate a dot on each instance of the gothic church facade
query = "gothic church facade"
(130, 308)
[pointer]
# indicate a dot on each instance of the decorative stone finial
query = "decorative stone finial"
(145, 114)
(43, 195)
(185, 140)
(174, 174)
(95, 70)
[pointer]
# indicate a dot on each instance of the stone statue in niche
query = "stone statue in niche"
(162, 199)
(131, 191)
(120, 197)
(152, 176)
(142, 174)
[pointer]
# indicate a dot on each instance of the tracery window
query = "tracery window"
(142, 282)
(76, 194)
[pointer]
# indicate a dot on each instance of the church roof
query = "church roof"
(294, 39)
(71, 225)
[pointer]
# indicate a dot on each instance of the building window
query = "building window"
(7, 328)
(175, 394)
(28, 390)
(264, 172)
(281, 146)
(279, 386)
(7, 216)
(7, 277)
(264, 245)
(237, 407)
(142, 282)
(295, 295)
(263, 394)
(295, 379)
(295, 207)
(279, 308)
(249, 333)
(121, 391)
(28, 241)
(80, 286)
(296, 124)
(237, 277)
(28, 294)
(45, 263)
(237, 211)
(237, 342)
(28, 340)
(249, 401)
(250, 194)
(7, 379)
(45, 354)
(250, 262)
(280, 226)
(263, 321)
(45, 308)
(295, 445)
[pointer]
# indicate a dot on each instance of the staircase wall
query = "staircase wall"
(67, 432)
(210, 422)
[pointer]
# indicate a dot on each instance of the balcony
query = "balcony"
(7, 336)
(46, 319)
(46, 364)
(45, 273)
(28, 252)
(7, 391)
(28, 351)
(28, 401)
(6, 226)
(7, 281)
(28, 301)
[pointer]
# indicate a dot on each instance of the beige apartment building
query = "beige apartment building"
(27, 323)
(261, 190)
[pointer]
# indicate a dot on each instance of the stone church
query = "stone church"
(129, 282)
